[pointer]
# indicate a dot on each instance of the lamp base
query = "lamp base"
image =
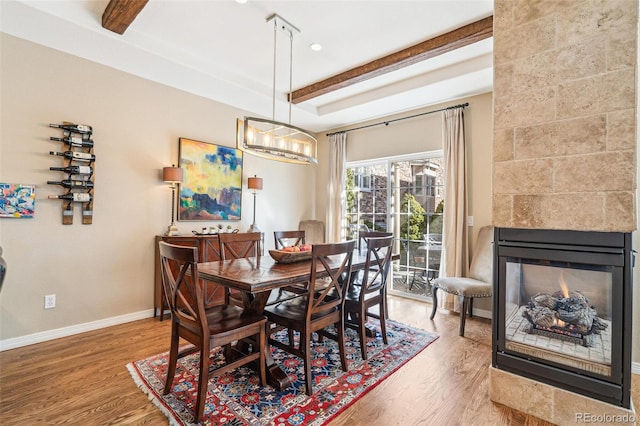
(172, 231)
(253, 228)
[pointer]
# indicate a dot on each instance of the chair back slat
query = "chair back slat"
(238, 246)
(288, 238)
(363, 235)
(335, 285)
(377, 264)
(179, 267)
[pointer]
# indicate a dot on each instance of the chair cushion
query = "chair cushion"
(467, 287)
(226, 318)
(293, 309)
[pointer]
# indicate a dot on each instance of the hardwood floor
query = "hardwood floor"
(82, 379)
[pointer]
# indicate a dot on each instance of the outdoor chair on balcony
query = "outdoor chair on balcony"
(477, 283)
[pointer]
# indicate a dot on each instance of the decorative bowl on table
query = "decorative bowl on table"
(282, 256)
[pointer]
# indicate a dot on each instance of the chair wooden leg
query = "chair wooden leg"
(203, 380)
(362, 334)
(173, 359)
(434, 297)
(383, 319)
(341, 348)
(305, 339)
(262, 343)
(470, 307)
(463, 314)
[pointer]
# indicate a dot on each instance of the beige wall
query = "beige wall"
(105, 270)
(423, 134)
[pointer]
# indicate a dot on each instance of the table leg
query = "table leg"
(276, 377)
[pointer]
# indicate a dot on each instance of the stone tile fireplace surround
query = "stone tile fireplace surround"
(564, 149)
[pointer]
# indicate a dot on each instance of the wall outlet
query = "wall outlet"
(469, 220)
(50, 301)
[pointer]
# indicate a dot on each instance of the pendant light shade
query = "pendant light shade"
(273, 139)
(277, 141)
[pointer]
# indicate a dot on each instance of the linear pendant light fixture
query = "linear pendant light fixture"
(273, 139)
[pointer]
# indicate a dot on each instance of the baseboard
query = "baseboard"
(44, 336)
(635, 367)
(482, 313)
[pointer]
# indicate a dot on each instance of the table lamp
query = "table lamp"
(173, 176)
(254, 183)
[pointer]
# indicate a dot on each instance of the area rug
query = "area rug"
(238, 399)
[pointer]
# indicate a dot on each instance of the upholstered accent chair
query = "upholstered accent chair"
(477, 283)
(314, 231)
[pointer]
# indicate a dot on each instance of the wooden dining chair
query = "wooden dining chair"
(370, 290)
(288, 238)
(217, 326)
(316, 309)
(237, 246)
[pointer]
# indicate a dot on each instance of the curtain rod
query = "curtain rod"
(386, 123)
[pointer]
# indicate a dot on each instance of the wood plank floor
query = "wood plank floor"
(82, 379)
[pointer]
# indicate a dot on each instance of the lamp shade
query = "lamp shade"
(172, 174)
(254, 183)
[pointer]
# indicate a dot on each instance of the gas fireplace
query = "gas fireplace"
(562, 309)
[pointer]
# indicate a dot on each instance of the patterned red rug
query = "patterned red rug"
(238, 399)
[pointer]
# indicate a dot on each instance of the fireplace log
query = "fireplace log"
(562, 311)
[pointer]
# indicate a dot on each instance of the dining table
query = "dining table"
(256, 277)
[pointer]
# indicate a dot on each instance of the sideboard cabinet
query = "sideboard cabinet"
(208, 250)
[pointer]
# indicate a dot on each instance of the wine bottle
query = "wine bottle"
(67, 183)
(79, 197)
(75, 141)
(75, 128)
(72, 155)
(74, 170)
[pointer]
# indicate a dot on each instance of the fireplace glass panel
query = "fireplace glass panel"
(560, 313)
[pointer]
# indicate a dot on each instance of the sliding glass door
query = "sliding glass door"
(403, 196)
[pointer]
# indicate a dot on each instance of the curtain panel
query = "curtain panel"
(337, 171)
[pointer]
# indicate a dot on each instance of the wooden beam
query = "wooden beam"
(119, 14)
(444, 43)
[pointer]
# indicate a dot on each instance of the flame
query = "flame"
(563, 286)
(559, 323)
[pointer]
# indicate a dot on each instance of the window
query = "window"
(362, 178)
(403, 196)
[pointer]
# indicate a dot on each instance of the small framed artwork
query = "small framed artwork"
(211, 187)
(17, 200)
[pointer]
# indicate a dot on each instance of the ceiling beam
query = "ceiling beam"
(444, 43)
(119, 14)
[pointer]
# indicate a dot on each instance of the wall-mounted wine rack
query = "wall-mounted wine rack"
(78, 168)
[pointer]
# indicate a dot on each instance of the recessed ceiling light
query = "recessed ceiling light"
(241, 1)
(315, 46)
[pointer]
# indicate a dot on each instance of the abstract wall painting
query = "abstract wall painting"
(17, 200)
(212, 184)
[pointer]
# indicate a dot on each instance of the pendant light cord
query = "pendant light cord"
(273, 93)
(290, 71)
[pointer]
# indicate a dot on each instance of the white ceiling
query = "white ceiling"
(223, 50)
